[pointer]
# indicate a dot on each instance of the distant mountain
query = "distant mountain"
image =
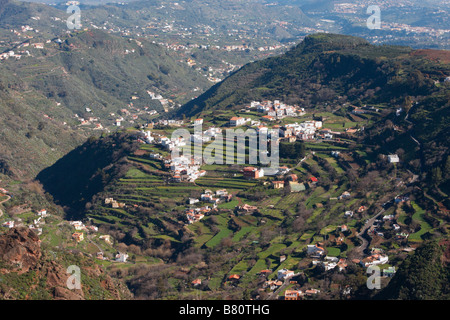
(97, 69)
(91, 74)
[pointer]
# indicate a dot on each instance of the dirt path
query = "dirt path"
(1, 202)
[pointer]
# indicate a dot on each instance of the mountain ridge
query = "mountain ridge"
(334, 62)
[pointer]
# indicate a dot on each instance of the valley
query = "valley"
(90, 126)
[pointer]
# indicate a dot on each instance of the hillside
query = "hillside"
(348, 199)
(78, 85)
(34, 132)
(103, 71)
(325, 68)
(422, 276)
(30, 272)
(87, 170)
(336, 73)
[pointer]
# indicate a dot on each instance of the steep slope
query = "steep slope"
(87, 170)
(325, 68)
(103, 71)
(31, 272)
(47, 94)
(422, 276)
(33, 130)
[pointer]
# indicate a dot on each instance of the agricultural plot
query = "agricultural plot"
(228, 183)
(424, 226)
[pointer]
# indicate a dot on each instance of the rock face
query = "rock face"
(20, 248)
(28, 272)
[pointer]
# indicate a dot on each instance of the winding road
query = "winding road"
(1, 202)
(365, 243)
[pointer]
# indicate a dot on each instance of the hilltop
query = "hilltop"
(326, 68)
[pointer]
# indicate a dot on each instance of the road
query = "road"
(1, 202)
(365, 243)
(274, 295)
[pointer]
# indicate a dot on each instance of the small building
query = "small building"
(198, 122)
(197, 282)
(389, 272)
(121, 257)
(234, 277)
(348, 213)
(106, 238)
(393, 158)
(284, 273)
(313, 179)
(278, 184)
(314, 250)
(253, 173)
(78, 236)
(8, 224)
(237, 121)
(292, 295)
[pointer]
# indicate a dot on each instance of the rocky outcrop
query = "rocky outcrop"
(33, 273)
(20, 249)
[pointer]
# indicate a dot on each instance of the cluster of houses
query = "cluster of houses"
(79, 227)
(164, 102)
(299, 294)
(245, 208)
(114, 203)
(11, 54)
(307, 130)
(36, 226)
(377, 257)
(329, 263)
(332, 262)
(284, 275)
(196, 214)
(37, 223)
(277, 109)
(184, 169)
(387, 222)
(221, 195)
(291, 180)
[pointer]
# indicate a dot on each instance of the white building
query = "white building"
(237, 121)
(314, 250)
(198, 122)
(284, 273)
(393, 158)
(8, 224)
(121, 257)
